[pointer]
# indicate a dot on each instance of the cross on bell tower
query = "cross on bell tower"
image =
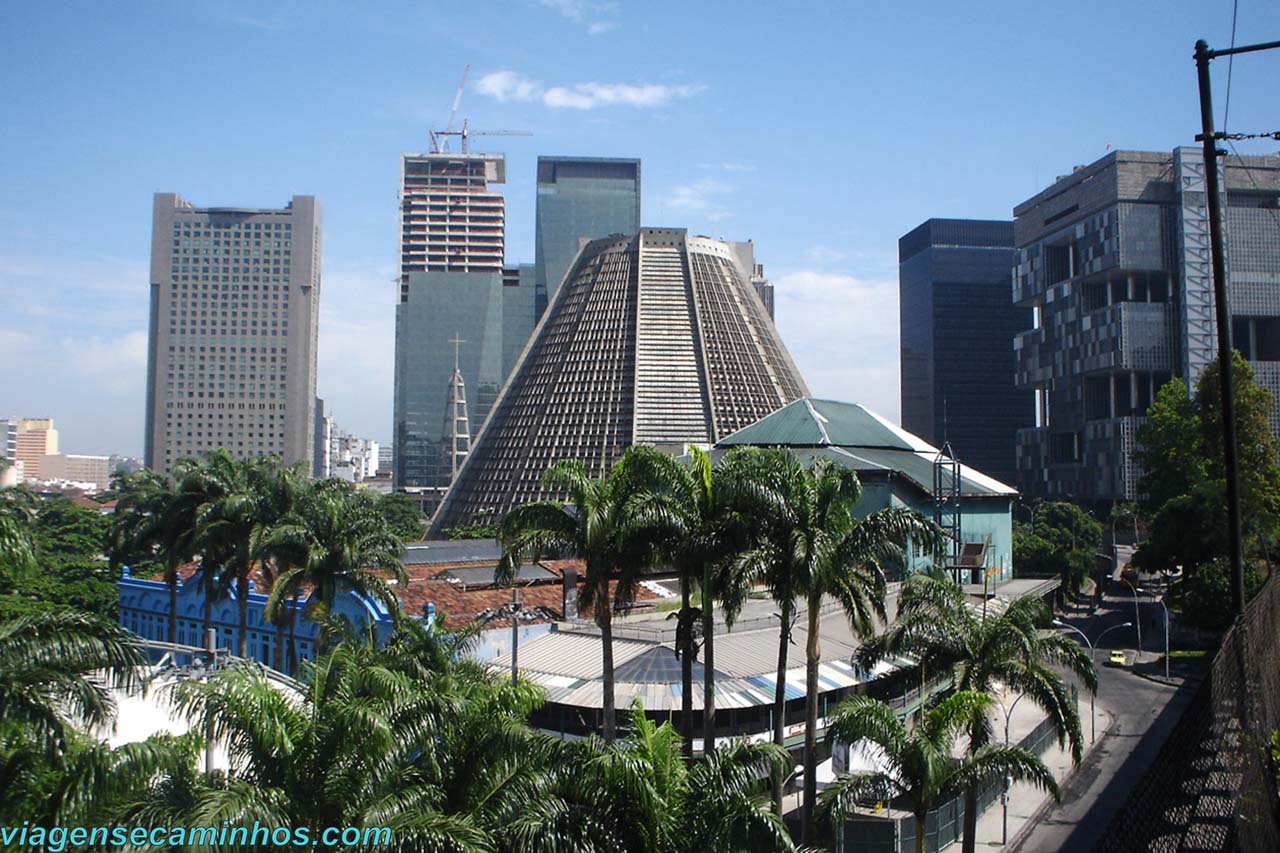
(457, 428)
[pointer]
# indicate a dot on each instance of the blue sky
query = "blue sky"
(821, 131)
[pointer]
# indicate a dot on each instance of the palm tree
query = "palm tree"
(202, 484)
(815, 548)
(599, 526)
(57, 669)
(638, 795)
(360, 746)
(153, 521)
(917, 763)
(17, 550)
(344, 544)
(257, 494)
(700, 515)
(1015, 648)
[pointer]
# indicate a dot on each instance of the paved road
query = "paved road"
(1145, 713)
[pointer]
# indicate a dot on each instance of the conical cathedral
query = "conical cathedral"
(656, 338)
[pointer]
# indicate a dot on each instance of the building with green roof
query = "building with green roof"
(897, 468)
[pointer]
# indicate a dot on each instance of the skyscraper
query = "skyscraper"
(956, 322)
(35, 439)
(580, 197)
(1113, 261)
(655, 338)
(235, 302)
(452, 233)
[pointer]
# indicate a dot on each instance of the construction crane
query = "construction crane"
(439, 138)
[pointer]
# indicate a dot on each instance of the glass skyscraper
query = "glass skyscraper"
(452, 305)
(956, 323)
(580, 197)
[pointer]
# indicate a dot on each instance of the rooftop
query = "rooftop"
(857, 438)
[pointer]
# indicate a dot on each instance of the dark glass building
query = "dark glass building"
(580, 197)
(957, 325)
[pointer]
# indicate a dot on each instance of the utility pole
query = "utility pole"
(1209, 138)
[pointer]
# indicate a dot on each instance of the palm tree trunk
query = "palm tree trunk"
(604, 618)
(812, 651)
(242, 593)
(920, 829)
(207, 583)
(278, 656)
(780, 700)
(686, 668)
(293, 637)
(171, 579)
(708, 665)
(977, 740)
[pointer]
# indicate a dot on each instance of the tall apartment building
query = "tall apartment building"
(580, 197)
(452, 304)
(9, 439)
(235, 301)
(655, 338)
(35, 439)
(1113, 262)
(956, 323)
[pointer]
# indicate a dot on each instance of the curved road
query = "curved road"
(1145, 714)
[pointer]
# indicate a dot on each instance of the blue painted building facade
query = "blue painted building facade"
(144, 610)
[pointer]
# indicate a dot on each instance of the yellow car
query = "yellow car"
(1118, 658)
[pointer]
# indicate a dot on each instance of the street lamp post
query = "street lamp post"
(1008, 780)
(1166, 627)
(1137, 615)
(1093, 718)
(1093, 659)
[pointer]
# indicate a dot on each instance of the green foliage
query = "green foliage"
(405, 519)
(66, 533)
(1184, 481)
(920, 768)
(1205, 597)
(1061, 542)
(472, 531)
(61, 559)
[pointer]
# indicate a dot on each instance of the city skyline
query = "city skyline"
(730, 146)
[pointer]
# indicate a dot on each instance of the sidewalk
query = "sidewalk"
(1024, 800)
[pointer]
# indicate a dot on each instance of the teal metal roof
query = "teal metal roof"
(857, 438)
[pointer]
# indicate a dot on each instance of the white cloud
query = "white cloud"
(596, 17)
(15, 340)
(842, 332)
(513, 86)
(729, 167)
(824, 255)
(701, 198)
(108, 355)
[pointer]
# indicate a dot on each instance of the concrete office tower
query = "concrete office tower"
(655, 338)
(956, 322)
(451, 287)
(580, 197)
(36, 438)
(1113, 261)
(746, 255)
(235, 305)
